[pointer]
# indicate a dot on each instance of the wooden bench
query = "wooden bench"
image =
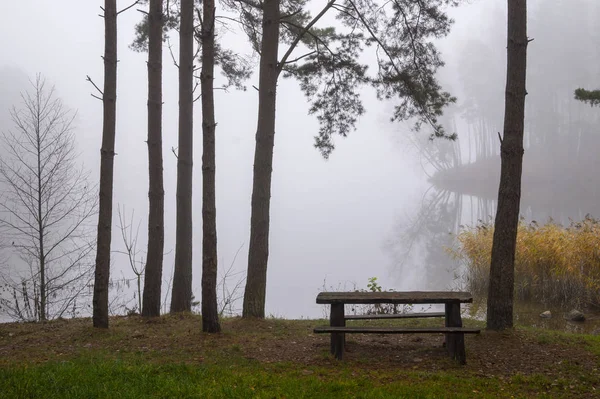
(394, 316)
(453, 330)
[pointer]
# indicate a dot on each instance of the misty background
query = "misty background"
(388, 200)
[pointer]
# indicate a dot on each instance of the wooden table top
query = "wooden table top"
(400, 297)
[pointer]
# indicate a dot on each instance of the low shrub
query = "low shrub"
(555, 265)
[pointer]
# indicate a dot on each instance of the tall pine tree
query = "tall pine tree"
(502, 268)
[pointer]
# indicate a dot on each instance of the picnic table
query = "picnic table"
(453, 329)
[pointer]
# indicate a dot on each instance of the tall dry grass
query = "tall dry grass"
(555, 265)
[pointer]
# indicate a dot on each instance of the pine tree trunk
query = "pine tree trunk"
(501, 288)
(107, 155)
(210, 314)
(256, 281)
(181, 298)
(156, 192)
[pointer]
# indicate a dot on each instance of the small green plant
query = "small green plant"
(386, 308)
(373, 286)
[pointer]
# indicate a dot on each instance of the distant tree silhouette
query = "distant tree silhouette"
(46, 210)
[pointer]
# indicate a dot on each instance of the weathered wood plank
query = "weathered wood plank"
(394, 316)
(337, 320)
(455, 343)
(395, 330)
(409, 297)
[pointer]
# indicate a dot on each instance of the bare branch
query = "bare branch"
(96, 86)
(130, 242)
(128, 7)
(170, 47)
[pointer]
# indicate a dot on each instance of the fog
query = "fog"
(386, 201)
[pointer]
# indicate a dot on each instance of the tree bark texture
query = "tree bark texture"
(181, 298)
(156, 192)
(501, 288)
(256, 280)
(107, 155)
(210, 314)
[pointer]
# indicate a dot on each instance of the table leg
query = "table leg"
(337, 319)
(455, 342)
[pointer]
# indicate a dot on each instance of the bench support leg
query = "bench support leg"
(455, 342)
(337, 339)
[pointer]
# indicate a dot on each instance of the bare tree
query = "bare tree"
(230, 285)
(502, 268)
(46, 210)
(130, 242)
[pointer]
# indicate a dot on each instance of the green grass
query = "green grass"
(590, 342)
(229, 375)
(103, 377)
(170, 357)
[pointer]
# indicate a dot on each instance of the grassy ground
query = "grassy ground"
(170, 357)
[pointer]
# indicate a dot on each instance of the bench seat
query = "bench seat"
(394, 316)
(395, 330)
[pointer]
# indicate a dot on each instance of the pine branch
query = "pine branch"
(591, 97)
(128, 7)
(303, 32)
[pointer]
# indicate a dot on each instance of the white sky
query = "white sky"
(330, 219)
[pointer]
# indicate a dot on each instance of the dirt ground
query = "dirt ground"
(179, 338)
